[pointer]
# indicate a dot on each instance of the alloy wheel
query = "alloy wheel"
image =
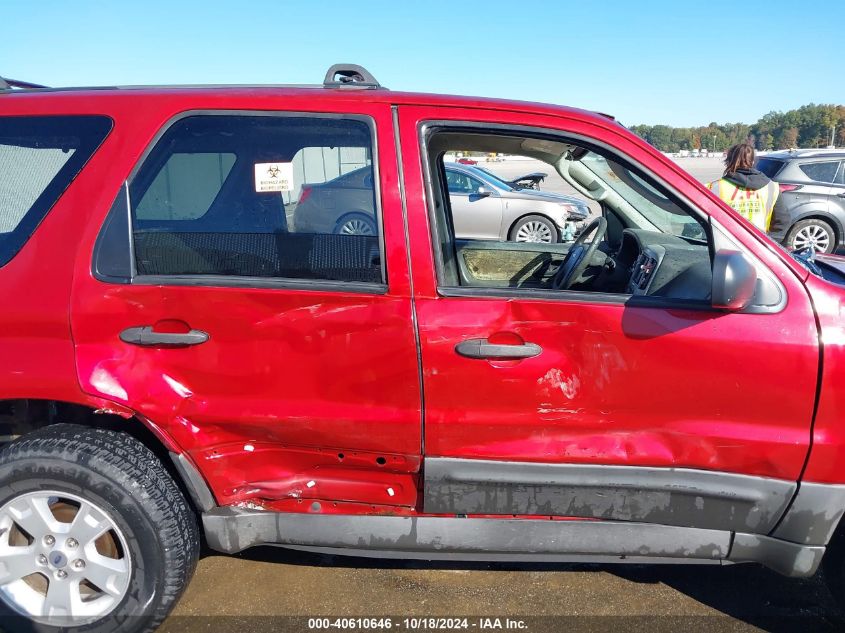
(61, 557)
(356, 226)
(811, 236)
(534, 231)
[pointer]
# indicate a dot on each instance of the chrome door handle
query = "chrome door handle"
(481, 348)
(145, 336)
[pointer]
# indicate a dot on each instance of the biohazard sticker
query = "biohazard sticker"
(273, 177)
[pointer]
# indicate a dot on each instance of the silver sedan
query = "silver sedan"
(484, 207)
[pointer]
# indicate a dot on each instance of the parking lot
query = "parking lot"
(703, 169)
(251, 591)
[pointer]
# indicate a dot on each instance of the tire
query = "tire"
(812, 231)
(144, 559)
(356, 224)
(534, 228)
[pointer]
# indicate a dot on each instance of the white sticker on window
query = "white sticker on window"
(273, 177)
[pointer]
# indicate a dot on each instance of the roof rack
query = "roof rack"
(8, 84)
(350, 76)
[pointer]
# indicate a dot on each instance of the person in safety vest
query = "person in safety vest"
(745, 189)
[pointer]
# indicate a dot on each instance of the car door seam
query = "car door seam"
(414, 321)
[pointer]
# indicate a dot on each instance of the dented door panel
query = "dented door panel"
(619, 385)
(303, 393)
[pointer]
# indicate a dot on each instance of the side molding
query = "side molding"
(814, 514)
(231, 530)
(664, 496)
(789, 559)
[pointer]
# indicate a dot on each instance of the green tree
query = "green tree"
(807, 126)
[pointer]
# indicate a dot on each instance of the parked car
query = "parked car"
(810, 211)
(484, 207)
(526, 181)
(178, 362)
(466, 161)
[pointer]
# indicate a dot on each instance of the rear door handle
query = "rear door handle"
(145, 336)
(481, 348)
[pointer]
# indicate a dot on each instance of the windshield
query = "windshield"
(496, 180)
(646, 206)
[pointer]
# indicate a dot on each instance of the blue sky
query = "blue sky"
(681, 63)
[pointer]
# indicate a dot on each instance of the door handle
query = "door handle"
(481, 348)
(145, 336)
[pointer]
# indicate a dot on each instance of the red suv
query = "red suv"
(179, 362)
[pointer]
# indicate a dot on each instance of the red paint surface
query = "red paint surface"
(303, 376)
(827, 459)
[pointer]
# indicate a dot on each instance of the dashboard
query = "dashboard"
(663, 265)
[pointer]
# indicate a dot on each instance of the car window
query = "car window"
(459, 182)
(185, 187)
(39, 158)
(289, 197)
(820, 172)
(769, 166)
(840, 175)
(523, 242)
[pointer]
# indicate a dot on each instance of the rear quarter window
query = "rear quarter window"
(39, 158)
(820, 172)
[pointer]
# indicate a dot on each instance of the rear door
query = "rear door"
(656, 411)
(282, 362)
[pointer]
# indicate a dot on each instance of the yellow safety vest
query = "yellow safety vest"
(756, 206)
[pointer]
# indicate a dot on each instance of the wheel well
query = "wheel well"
(20, 417)
(834, 224)
(530, 213)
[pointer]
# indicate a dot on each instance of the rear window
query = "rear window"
(39, 157)
(769, 166)
(821, 172)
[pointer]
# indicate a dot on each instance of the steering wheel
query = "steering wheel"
(578, 257)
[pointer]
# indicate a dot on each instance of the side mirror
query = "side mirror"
(482, 192)
(734, 280)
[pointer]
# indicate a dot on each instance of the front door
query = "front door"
(476, 210)
(591, 401)
(282, 362)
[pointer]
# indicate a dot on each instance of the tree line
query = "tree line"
(805, 127)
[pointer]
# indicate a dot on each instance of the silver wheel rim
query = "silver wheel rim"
(61, 558)
(811, 236)
(534, 231)
(356, 226)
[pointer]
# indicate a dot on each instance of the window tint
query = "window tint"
(259, 196)
(185, 187)
(39, 158)
(769, 166)
(821, 172)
